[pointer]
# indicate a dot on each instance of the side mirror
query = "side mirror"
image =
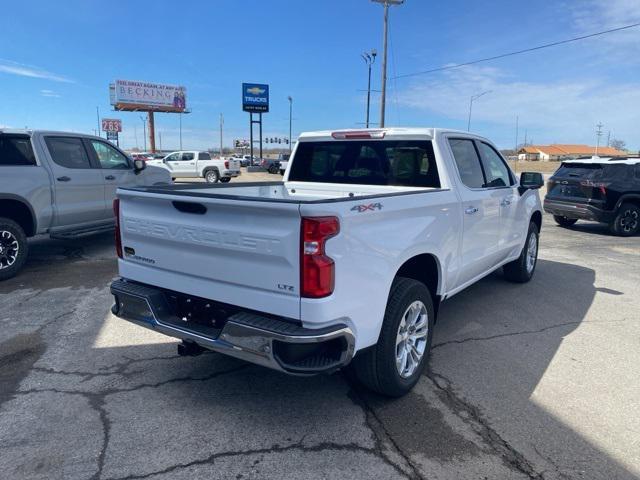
(530, 181)
(139, 165)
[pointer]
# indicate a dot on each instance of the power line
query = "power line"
(518, 52)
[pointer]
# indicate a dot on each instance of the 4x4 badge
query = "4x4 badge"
(363, 208)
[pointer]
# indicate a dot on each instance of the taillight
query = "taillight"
(226, 164)
(317, 270)
(601, 186)
(116, 212)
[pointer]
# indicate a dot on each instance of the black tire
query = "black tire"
(518, 271)
(225, 179)
(13, 248)
(376, 367)
(211, 176)
(627, 221)
(564, 221)
(273, 169)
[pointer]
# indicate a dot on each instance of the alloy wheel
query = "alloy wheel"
(9, 249)
(411, 339)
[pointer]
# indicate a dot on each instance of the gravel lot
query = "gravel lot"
(533, 381)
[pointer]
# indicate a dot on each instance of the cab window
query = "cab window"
(495, 169)
(467, 161)
(109, 157)
(68, 152)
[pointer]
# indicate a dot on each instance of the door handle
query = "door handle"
(505, 202)
(63, 179)
(109, 177)
(470, 210)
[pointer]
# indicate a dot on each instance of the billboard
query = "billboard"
(132, 95)
(255, 97)
(111, 125)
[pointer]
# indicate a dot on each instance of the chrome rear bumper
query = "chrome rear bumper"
(266, 341)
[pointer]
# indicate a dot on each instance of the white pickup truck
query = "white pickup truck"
(194, 164)
(343, 263)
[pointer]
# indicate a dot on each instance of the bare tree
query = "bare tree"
(618, 144)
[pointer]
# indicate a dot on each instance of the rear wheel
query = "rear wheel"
(393, 366)
(211, 176)
(13, 248)
(225, 179)
(564, 221)
(521, 270)
(627, 221)
(273, 169)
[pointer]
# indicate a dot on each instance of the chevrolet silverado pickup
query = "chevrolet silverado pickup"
(194, 164)
(344, 263)
(61, 184)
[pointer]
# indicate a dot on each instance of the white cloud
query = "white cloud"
(20, 69)
(49, 93)
(591, 16)
(560, 111)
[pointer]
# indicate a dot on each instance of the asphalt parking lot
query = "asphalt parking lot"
(535, 381)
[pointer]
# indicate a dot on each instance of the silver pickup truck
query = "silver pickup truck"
(61, 184)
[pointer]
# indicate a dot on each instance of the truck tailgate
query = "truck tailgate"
(244, 253)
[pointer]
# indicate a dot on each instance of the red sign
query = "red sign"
(111, 125)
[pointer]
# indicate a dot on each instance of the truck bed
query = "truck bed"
(283, 192)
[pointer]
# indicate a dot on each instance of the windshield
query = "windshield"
(385, 162)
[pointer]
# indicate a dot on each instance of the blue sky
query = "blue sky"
(57, 59)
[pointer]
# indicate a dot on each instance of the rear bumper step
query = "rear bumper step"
(266, 341)
(583, 211)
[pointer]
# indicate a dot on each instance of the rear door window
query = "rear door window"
(186, 156)
(468, 162)
(388, 162)
(68, 152)
(204, 156)
(16, 150)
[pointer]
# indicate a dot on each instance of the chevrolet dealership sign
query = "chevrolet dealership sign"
(255, 97)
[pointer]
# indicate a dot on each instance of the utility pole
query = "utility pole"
(598, 135)
(474, 98)
(291, 118)
(98, 116)
(609, 139)
(221, 124)
(180, 130)
(135, 134)
(383, 96)
(160, 135)
(515, 150)
(369, 58)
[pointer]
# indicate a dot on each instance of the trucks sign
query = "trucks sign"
(255, 97)
(111, 125)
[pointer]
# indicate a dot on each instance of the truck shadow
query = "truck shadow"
(492, 346)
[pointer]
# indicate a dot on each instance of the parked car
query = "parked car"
(244, 162)
(283, 158)
(605, 190)
(195, 164)
(270, 165)
(345, 263)
(60, 184)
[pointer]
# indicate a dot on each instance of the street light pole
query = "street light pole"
(221, 124)
(473, 98)
(180, 130)
(369, 59)
(290, 120)
(383, 96)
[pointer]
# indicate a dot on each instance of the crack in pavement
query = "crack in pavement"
(525, 332)
(510, 456)
(320, 447)
(97, 401)
(378, 430)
